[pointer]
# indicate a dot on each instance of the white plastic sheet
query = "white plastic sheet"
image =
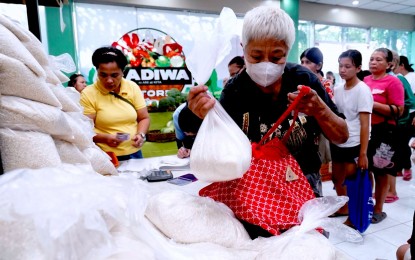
(210, 50)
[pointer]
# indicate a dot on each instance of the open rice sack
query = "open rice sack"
(32, 150)
(221, 151)
(18, 80)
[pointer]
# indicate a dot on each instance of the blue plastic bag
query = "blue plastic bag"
(359, 191)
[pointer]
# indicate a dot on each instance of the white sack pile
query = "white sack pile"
(41, 122)
(77, 214)
(67, 213)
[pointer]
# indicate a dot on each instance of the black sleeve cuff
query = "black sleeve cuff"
(188, 121)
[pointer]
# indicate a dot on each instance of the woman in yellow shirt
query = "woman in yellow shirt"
(116, 105)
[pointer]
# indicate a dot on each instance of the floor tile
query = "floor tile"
(383, 239)
(372, 247)
(396, 235)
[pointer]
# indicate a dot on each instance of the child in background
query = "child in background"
(355, 100)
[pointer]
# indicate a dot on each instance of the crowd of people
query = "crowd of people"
(365, 121)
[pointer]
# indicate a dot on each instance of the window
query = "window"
(332, 40)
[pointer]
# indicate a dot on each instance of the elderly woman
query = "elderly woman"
(116, 105)
(388, 96)
(256, 97)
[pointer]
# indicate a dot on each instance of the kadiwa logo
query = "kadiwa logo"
(156, 62)
(159, 76)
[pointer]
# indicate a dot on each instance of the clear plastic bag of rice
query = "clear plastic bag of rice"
(221, 151)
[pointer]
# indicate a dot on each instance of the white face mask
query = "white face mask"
(264, 73)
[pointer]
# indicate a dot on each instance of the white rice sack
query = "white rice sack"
(221, 151)
(20, 32)
(74, 95)
(81, 136)
(100, 161)
(27, 115)
(191, 219)
(85, 123)
(33, 150)
(18, 80)
(31, 43)
(11, 46)
(51, 78)
(61, 76)
(70, 153)
(68, 105)
(295, 245)
(36, 48)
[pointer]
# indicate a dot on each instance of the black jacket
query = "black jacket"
(241, 98)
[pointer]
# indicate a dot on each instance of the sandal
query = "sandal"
(378, 217)
(390, 199)
(407, 175)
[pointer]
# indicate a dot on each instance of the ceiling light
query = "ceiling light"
(355, 2)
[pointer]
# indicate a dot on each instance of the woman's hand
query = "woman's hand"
(199, 102)
(183, 152)
(334, 127)
(112, 140)
(362, 162)
(311, 104)
(138, 140)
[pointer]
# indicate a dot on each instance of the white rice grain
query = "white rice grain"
(28, 115)
(100, 161)
(18, 80)
(34, 150)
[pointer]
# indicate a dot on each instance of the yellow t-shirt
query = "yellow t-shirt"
(113, 115)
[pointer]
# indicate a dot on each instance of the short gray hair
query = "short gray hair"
(266, 22)
(396, 57)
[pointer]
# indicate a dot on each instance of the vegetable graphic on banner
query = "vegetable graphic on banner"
(156, 62)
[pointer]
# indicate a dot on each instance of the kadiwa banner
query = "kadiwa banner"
(156, 62)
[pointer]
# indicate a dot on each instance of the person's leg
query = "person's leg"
(338, 177)
(400, 253)
(381, 190)
(392, 194)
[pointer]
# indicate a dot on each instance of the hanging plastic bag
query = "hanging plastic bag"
(304, 241)
(209, 50)
(221, 150)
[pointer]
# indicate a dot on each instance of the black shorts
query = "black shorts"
(344, 154)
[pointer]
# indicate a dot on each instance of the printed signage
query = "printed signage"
(156, 62)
